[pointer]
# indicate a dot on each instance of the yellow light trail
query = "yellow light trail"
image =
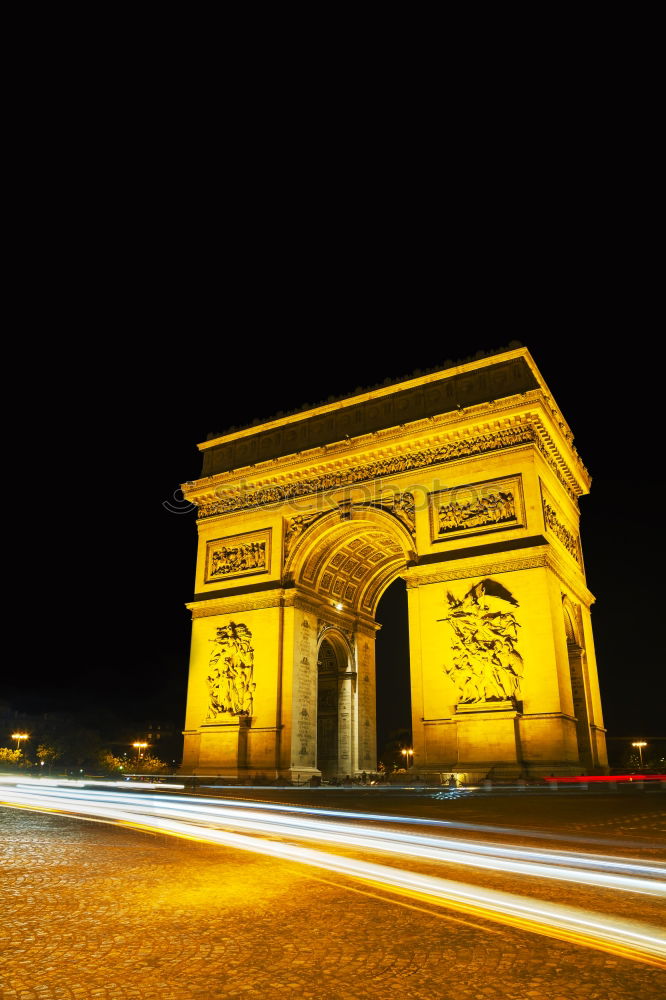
(624, 938)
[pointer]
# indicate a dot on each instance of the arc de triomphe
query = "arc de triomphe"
(465, 482)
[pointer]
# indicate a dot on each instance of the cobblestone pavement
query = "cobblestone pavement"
(94, 912)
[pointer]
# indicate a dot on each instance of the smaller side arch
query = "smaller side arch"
(580, 684)
(335, 704)
(571, 623)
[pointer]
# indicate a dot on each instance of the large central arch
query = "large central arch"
(349, 557)
(464, 482)
(339, 564)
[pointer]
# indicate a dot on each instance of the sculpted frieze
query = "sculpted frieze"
(484, 663)
(295, 528)
(401, 506)
(237, 555)
(476, 508)
(566, 537)
(508, 437)
(230, 682)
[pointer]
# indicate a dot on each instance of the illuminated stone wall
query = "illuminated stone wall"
(472, 497)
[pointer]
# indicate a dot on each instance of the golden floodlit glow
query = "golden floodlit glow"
(464, 482)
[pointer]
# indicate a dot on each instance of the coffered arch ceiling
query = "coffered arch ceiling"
(351, 562)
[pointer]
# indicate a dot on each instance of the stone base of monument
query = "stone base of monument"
(488, 740)
(496, 741)
(231, 749)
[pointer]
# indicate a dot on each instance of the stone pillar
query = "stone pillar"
(302, 713)
(366, 728)
(345, 710)
(596, 721)
(221, 737)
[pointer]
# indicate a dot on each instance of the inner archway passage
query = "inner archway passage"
(394, 712)
(340, 567)
(328, 670)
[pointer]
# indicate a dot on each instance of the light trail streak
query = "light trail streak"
(620, 936)
(621, 875)
(151, 813)
(136, 788)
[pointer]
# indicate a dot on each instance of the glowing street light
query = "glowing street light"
(18, 737)
(407, 754)
(140, 747)
(640, 744)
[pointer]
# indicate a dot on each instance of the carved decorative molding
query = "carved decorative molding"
(234, 605)
(455, 449)
(541, 446)
(414, 579)
(476, 508)
(462, 447)
(238, 555)
(230, 682)
(485, 665)
(543, 560)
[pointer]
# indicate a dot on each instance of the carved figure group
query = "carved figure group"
(238, 558)
(568, 540)
(403, 508)
(297, 526)
(491, 509)
(485, 663)
(230, 682)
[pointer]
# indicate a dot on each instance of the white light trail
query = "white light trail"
(611, 873)
(184, 816)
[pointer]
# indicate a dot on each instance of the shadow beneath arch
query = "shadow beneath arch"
(394, 704)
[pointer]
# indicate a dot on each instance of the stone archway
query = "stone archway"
(336, 688)
(464, 482)
(579, 682)
(339, 566)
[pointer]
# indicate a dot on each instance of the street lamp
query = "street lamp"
(140, 747)
(407, 754)
(18, 737)
(640, 744)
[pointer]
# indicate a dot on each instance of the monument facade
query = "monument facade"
(465, 482)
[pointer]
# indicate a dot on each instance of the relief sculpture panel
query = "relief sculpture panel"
(484, 665)
(555, 523)
(238, 555)
(230, 682)
(476, 508)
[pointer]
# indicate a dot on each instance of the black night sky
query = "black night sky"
(159, 360)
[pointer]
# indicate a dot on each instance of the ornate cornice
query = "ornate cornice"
(544, 559)
(234, 605)
(571, 577)
(415, 579)
(216, 498)
(379, 468)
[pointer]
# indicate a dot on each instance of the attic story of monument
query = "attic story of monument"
(465, 482)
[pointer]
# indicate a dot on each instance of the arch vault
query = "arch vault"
(466, 483)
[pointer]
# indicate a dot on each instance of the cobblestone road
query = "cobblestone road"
(93, 912)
